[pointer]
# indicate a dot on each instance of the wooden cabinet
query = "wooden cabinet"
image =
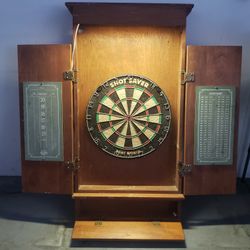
(145, 120)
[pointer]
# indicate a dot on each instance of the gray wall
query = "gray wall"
(214, 22)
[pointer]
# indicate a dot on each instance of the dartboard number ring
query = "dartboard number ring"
(128, 116)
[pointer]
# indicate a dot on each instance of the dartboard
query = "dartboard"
(128, 116)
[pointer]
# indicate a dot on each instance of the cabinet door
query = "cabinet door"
(46, 118)
(211, 119)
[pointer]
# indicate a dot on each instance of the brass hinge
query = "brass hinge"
(184, 169)
(187, 77)
(70, 75)
(73, 165)
(98, 223)
(156, 223)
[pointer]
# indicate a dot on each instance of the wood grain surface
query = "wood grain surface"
(131, 189)
(213, 66)
(105, 52)
(122, 230)
(47, 63)
(130, 195)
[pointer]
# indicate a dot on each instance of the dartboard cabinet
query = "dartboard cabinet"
(128, 119)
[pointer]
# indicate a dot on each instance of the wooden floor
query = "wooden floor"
(126, 230)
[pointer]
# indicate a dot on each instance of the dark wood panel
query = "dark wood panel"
(216, 66)
(129, 14)
(127, 208)
(47, 63)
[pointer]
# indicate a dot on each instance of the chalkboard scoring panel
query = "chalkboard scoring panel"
(43, 129)
(214, 125)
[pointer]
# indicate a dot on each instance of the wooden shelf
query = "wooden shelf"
(122, 188)
(130, 195)
(119, 191)
(127, 230)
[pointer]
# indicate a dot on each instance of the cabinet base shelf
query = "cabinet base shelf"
(129, 195)
(128, 230)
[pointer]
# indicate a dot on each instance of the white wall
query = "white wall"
(214, 22)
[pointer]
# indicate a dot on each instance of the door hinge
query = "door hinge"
(187, 77)
(70, 75)
(156, 223)
(73, 165)
(98, 223)
(184, 169)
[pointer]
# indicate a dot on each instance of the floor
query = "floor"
(44, 222)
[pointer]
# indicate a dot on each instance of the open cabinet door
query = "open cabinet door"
(211, 119)
(46, 118)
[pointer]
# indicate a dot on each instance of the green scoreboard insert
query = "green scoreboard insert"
(128, 116)
(214, 125)
(43, 128)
